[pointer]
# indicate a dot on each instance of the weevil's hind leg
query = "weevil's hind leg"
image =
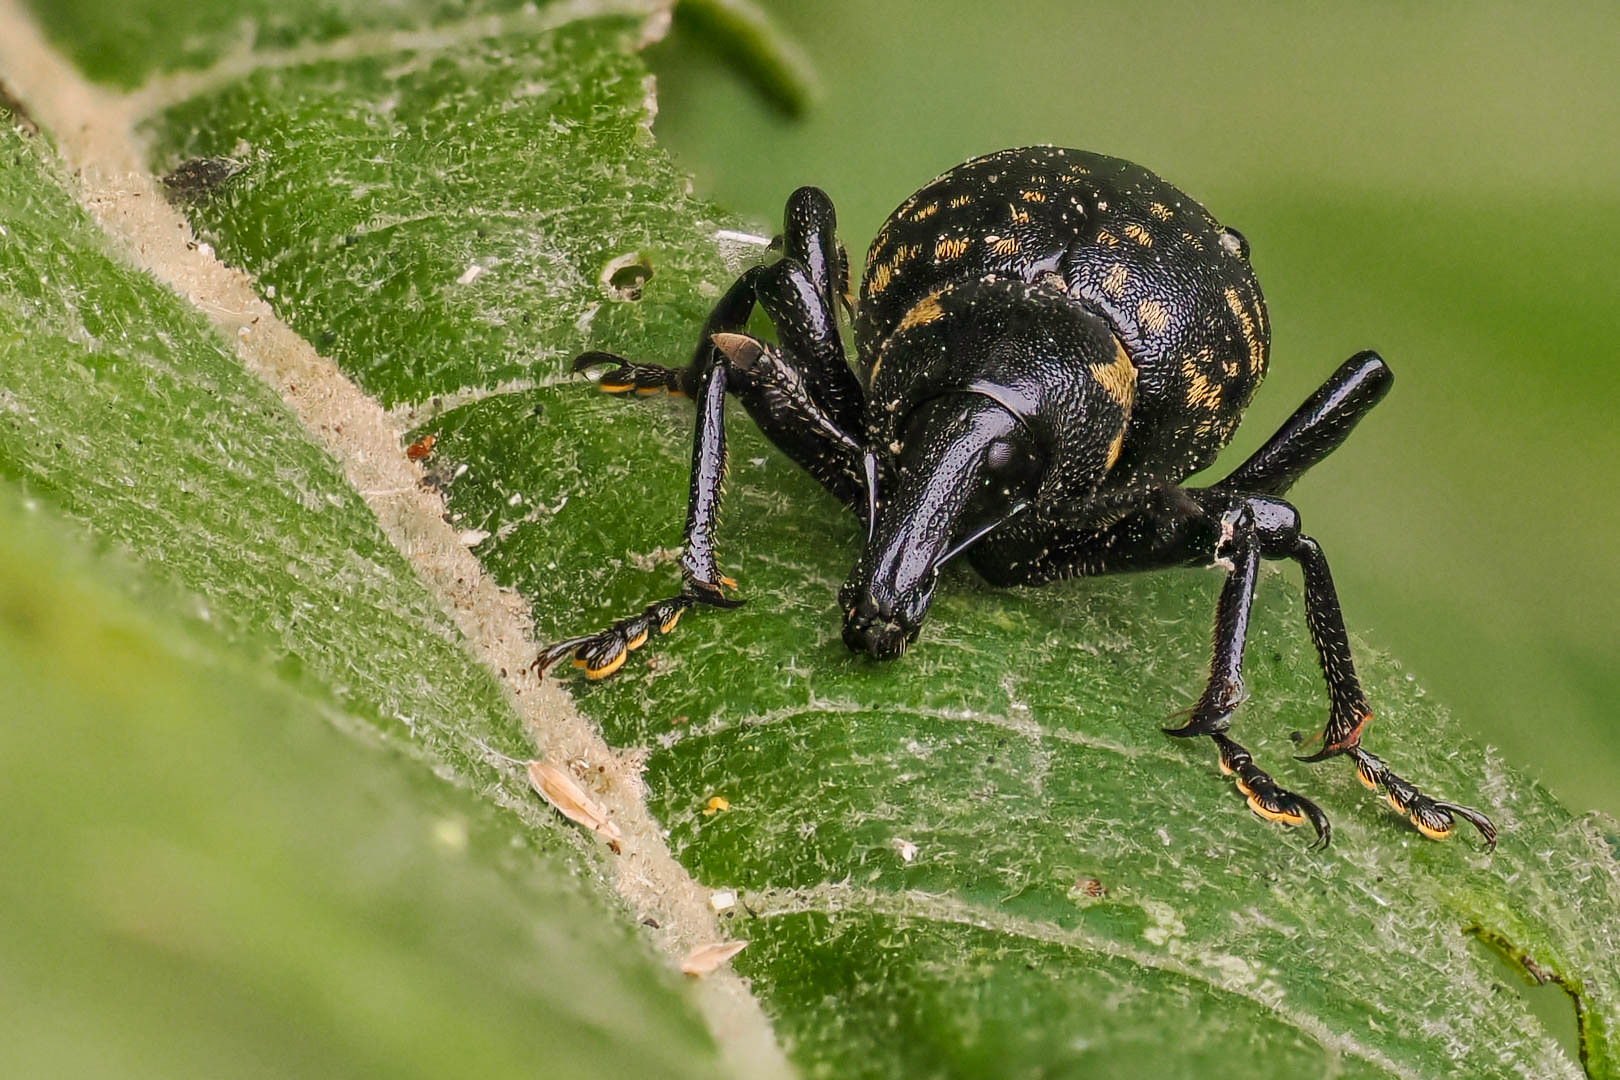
(1316, 429)
(1433, 818)
(1239, 549)
(1350, 712)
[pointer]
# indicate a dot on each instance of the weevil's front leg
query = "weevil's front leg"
(775, 393)
(1266, 798)
(1350, 713)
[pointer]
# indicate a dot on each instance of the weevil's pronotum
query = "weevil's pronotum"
(1049, 343)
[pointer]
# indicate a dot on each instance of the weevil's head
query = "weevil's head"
(989, 397)
(965, 461)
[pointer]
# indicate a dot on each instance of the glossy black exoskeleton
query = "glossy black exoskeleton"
(1050, 341)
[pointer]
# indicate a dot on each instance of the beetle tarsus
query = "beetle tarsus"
(1433, 818)
(1267, 799)
(603, 653)
(629, 377)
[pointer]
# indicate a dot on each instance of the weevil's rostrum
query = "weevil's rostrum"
(1049, 342)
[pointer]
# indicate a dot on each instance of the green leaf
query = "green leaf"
(203, 876)
(446, 219)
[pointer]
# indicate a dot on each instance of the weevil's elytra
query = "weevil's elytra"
(1049, 342)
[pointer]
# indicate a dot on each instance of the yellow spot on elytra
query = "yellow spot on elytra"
(959, 201)
(922, 313)
(1032, 196)
(1257, 349)
(1113, 282)
(1202, 394)
(1106, 238)
(950, 247)
(1114, 449)
(1154, 315)
(876, 249)
(884, 273)
(1197, 244)
(1020, 216)
(1002, 245)
(1118, 378)
(1139, 234)
(716, 805)
(926, 212)
(1160, 211)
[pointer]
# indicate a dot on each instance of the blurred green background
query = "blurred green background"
(1441, 183)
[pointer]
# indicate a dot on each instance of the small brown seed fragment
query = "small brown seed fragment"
(570, 800)
(705, 958)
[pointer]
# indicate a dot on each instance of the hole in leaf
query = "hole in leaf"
(626, 275)
(1548, 993)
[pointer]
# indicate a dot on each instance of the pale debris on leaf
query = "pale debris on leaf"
(705, 958)
(906, 849)
(723, 900)
(561, 791)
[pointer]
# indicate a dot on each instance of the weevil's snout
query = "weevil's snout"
(881, 629)
(947, 477)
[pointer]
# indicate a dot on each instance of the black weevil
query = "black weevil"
(1049, 342)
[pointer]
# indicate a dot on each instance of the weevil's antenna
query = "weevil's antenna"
(870, 463)
(981, 532)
